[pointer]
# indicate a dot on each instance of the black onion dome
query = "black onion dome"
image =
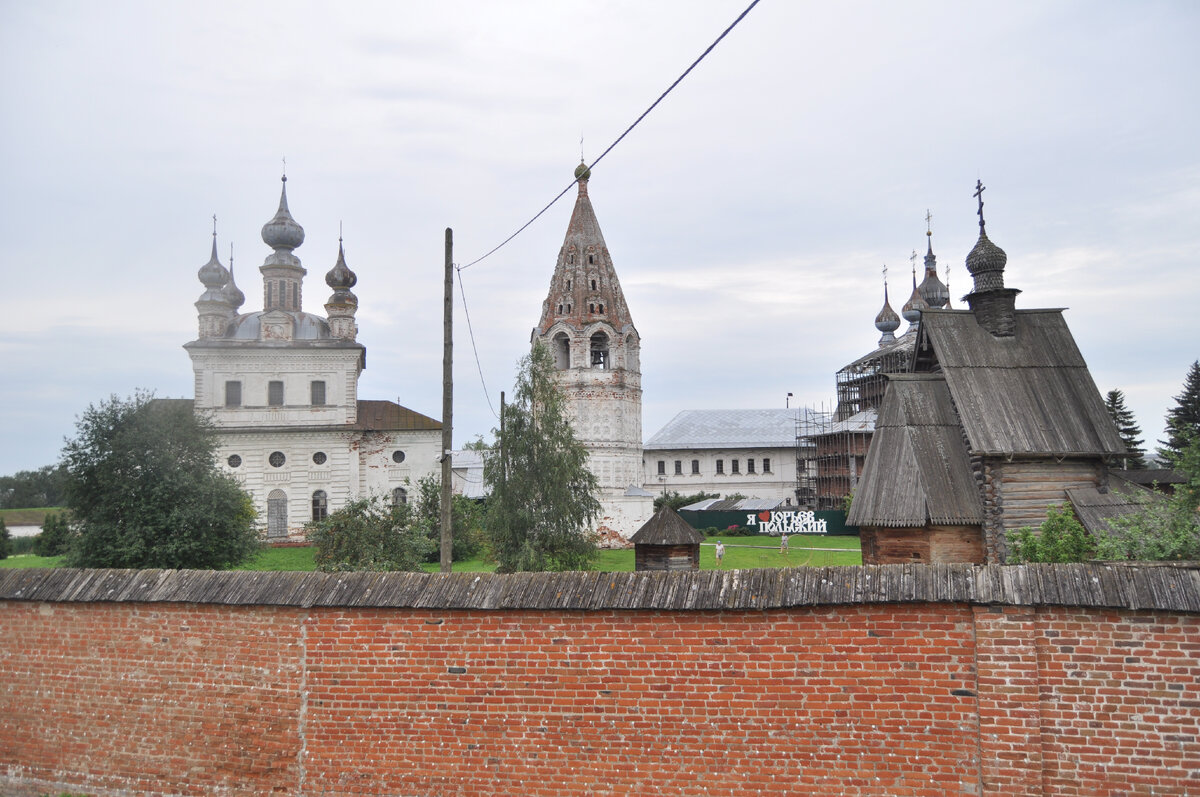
(986, 263)
(212, 274)
(340, 277)
(887, 320)
(282, 231)
(915, 305)
(231, 292)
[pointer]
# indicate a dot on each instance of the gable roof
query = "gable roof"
(1030, 393)
(666, 527)
(719, 429)
(917, 469)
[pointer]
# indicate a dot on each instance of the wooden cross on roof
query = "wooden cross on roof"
(979, 189)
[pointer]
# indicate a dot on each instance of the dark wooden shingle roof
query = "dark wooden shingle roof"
(1135, 587)
(917, 469)
(666, 527)
(1026, 394)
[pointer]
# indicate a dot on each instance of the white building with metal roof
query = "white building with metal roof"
(754, 453)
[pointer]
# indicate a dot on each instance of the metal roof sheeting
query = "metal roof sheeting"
(719, 429)
(1132, 587)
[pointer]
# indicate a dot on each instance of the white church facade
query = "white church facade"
(281, 386)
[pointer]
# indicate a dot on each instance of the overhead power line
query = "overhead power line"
(628, 130)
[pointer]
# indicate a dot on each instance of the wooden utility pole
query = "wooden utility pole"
(448, 407)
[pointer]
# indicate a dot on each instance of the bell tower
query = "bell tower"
(587, 327)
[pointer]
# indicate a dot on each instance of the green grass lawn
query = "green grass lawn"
(27, 517)
(741, 553)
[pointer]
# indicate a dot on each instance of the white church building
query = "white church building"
(281, 386)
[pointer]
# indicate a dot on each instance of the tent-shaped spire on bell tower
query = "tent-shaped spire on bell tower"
(584, 288)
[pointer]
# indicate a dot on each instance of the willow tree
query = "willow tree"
(543, 497)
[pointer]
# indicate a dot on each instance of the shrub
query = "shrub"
(54, 539)
(1062, 538)
(369, 534)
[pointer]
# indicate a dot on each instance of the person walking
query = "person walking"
(720, 552)
(783, 543)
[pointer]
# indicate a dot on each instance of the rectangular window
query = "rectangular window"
(749, 465)
(678, 467)
(318, 393)
(275, 394)
(735, 466)
(695, 467)
(662, 467)
(720, 466)
(233, 394)
(766, 465)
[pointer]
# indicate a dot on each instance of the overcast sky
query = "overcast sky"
(749, 216)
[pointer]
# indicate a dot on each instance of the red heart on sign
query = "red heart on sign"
(764, 516)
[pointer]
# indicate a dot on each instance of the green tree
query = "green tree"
(1062, 538)
(144, 491)
(673, 499)
(1127, 427)
(33, 488)
(543, 497)
(55, 537)
(1183, 420)
(1166, 528)
(370, 534)
(5, 540)
(465, 520)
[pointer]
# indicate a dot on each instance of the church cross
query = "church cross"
(979, 189)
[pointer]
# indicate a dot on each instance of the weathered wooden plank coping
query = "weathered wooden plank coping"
(1137, 587)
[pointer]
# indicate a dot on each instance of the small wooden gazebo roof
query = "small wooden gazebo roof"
(667, 528)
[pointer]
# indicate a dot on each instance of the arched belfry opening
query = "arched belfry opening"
(561, 349)
(599, 347)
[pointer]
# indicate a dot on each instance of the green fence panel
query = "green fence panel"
(774, 521)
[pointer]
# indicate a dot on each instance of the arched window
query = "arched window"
(600, 350)
(277, 522)
(320, 505)
(399, 496)
(562, 351)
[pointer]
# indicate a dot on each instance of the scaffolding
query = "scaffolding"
(809, 422)
(839, 448)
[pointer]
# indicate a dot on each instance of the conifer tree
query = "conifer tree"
(1183, 420)
(1127, 427)
(542, 498)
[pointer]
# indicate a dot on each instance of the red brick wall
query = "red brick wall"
(885, 699)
